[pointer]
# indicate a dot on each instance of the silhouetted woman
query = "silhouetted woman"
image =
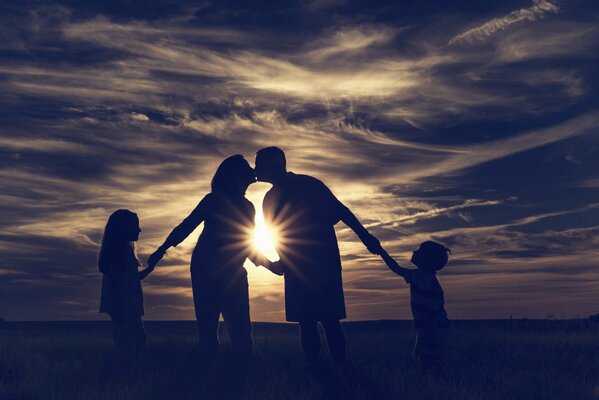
(122, 296)
(219, 280)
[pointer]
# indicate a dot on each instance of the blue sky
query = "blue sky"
(471, 124)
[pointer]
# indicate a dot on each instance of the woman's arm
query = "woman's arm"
(258, 259)
(181, 231)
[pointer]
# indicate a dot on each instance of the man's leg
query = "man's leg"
(118, 333)
(335, 340)
(141, 339)
(310, 339)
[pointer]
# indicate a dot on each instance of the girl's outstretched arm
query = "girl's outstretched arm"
(145, 272)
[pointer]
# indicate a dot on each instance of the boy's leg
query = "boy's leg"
(335, 340)
(441, 344)
(310, 339)
(428, 349)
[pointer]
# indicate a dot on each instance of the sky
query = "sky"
(470, 123)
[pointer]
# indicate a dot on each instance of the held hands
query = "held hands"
(274, 267)
(372, 244)
(152, 261)
(156, 257)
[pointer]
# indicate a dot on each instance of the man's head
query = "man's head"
(271, 165)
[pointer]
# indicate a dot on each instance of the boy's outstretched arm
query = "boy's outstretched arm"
(393, 265)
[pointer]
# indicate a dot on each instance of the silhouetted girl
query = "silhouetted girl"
(122, 296)
(219, 280)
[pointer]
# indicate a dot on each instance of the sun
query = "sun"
(264, 241)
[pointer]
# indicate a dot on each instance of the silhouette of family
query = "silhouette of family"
(303, 211)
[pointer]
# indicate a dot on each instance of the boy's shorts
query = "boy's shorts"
(431, 340)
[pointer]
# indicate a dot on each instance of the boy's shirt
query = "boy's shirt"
(426, 298)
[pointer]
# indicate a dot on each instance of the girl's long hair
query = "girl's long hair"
(117, 249)
(230, 175)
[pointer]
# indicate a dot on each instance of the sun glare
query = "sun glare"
(264, 239)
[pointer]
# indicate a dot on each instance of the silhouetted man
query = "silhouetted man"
(303, 211)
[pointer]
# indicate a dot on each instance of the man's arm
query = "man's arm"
(372, 244)
(340, 212)
(268, 210)
(275, 267)
(258, 258)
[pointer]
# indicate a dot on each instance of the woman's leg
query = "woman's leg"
(207, 310)
(310, 339)
(236, 313)
(335, 340)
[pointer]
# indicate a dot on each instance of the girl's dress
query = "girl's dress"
(122, 299)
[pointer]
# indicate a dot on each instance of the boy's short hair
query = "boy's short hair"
(435, 255)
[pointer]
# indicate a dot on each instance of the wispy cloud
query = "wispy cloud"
(537, 11)
(349, 41)
(469, 145)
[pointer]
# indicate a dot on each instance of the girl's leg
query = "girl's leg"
(335, 340)
(124, 337)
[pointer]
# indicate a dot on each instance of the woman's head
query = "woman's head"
(122, 229)
(233, 176)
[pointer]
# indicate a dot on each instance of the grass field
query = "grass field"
(486, 360)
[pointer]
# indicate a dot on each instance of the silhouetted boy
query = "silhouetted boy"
(427, 301)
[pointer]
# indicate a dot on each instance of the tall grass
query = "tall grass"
(485, 360)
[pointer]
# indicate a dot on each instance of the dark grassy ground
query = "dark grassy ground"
(486, 360)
